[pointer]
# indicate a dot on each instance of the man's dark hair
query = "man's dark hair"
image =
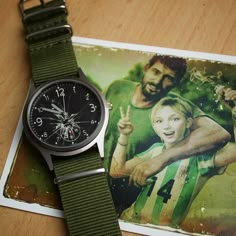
(177, 64)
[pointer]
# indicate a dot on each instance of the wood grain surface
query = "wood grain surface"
(197, 25)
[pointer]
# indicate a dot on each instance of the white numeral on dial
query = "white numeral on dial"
(39, 121)
(60, 92)
(93, 107)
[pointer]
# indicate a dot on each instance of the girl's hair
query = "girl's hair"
(175, 103)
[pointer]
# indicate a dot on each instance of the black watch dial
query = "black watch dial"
(65, 114)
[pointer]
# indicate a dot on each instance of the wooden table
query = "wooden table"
(197, 25)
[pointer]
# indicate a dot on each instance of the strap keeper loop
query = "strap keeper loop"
(45, 32)
(74, 176)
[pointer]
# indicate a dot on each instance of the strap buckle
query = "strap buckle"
(42, 9)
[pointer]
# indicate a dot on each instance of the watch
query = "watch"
(65, 118)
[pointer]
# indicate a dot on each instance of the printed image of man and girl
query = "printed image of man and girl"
(160, 148)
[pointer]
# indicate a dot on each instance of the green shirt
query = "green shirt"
(167, 199)
(120, 93)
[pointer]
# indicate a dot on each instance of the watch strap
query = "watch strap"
(48, 37)
(87, 201)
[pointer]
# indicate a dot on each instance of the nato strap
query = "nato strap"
(86, 199)
(48, 36)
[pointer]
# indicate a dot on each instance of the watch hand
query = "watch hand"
(64, 105)
(57, 108)
(53, 119)
(86, 121)
(51, 110)
(58, 114)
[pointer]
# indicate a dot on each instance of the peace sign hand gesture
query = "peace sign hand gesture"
(124, 125)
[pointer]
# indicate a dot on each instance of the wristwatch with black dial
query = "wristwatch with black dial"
(65, 118)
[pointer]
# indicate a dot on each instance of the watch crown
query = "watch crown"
(109, 105)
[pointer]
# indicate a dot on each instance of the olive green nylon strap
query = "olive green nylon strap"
(52, 60)
(87, 201)
(50, 46)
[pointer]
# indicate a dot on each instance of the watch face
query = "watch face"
(65, 114)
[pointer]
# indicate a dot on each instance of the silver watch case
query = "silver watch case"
(46, 150)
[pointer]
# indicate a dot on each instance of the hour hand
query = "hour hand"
(51, 110)
(57, 108)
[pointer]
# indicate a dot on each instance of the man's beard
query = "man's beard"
(153, 96)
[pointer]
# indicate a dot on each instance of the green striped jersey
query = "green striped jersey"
(167, 199)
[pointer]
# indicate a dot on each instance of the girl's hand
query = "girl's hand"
(124, 125)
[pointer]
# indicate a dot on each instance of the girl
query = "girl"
(167, 195)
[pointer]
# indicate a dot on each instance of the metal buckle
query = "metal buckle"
(42, 11)
(50, 29)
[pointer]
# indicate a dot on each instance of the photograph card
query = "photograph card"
(169, 145)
